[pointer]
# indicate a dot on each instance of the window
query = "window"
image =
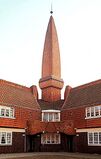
(5, 138)
(50, 138)
(93, 112)
(97, 112)
(2, 112)
(99, 137)
(94, 138)
(45, 117)
(6, 112)
(51, 115)
(100, 111)
(9, 138)
(90, 138)
(56, 116)
(88, 112)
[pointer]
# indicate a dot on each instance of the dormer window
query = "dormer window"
(51, 115)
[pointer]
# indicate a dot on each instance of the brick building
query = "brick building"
(30, 124)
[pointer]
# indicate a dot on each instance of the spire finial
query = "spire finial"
(51, 9)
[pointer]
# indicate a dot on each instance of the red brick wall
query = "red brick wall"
(93, 122)
(77, 115)
(22, 116)
(51, 94)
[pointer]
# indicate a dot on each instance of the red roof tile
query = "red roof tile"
(50, 105)
(84, 95)
(17, 95)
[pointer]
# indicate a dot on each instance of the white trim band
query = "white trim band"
(88, 130)
(11, 129)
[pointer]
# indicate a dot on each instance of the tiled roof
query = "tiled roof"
(51, 105)
(84, 95)
(17, 95)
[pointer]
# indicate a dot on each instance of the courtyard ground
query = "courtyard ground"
(49, 155)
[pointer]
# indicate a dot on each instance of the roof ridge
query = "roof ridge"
(88, 84)
(14, 84)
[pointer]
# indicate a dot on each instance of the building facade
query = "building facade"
(30, 124)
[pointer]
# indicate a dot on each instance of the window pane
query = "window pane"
(96, 111)
(45, 116)
(50, 116)
(99, 137)
(7, 112)
(56, 116)
(8, 138)
(11, 112)
(57, 138)
(95, 138)
(52, 139)
(92, 111)
(43, 138)
(0, 137)
(88, 112)
(90, 138)
(100, 110)
(3, 138)
(48, 138)
(2, 112)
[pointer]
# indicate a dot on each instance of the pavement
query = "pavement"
(74, 155)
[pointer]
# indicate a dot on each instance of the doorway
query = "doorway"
(33, 143)
(67, 142)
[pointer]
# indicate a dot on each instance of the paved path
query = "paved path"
(75, 155)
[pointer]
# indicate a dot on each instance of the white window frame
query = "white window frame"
(94, 141)
(5, 109)
(93, 109)
(50, 138)
(53, 115)
(6, 141)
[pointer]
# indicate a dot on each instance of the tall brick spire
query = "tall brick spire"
(51, 82)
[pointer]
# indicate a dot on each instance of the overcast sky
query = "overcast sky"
(23, 25)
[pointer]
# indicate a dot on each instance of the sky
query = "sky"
(23, 25)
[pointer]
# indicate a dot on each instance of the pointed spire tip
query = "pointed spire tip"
(51, 12)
